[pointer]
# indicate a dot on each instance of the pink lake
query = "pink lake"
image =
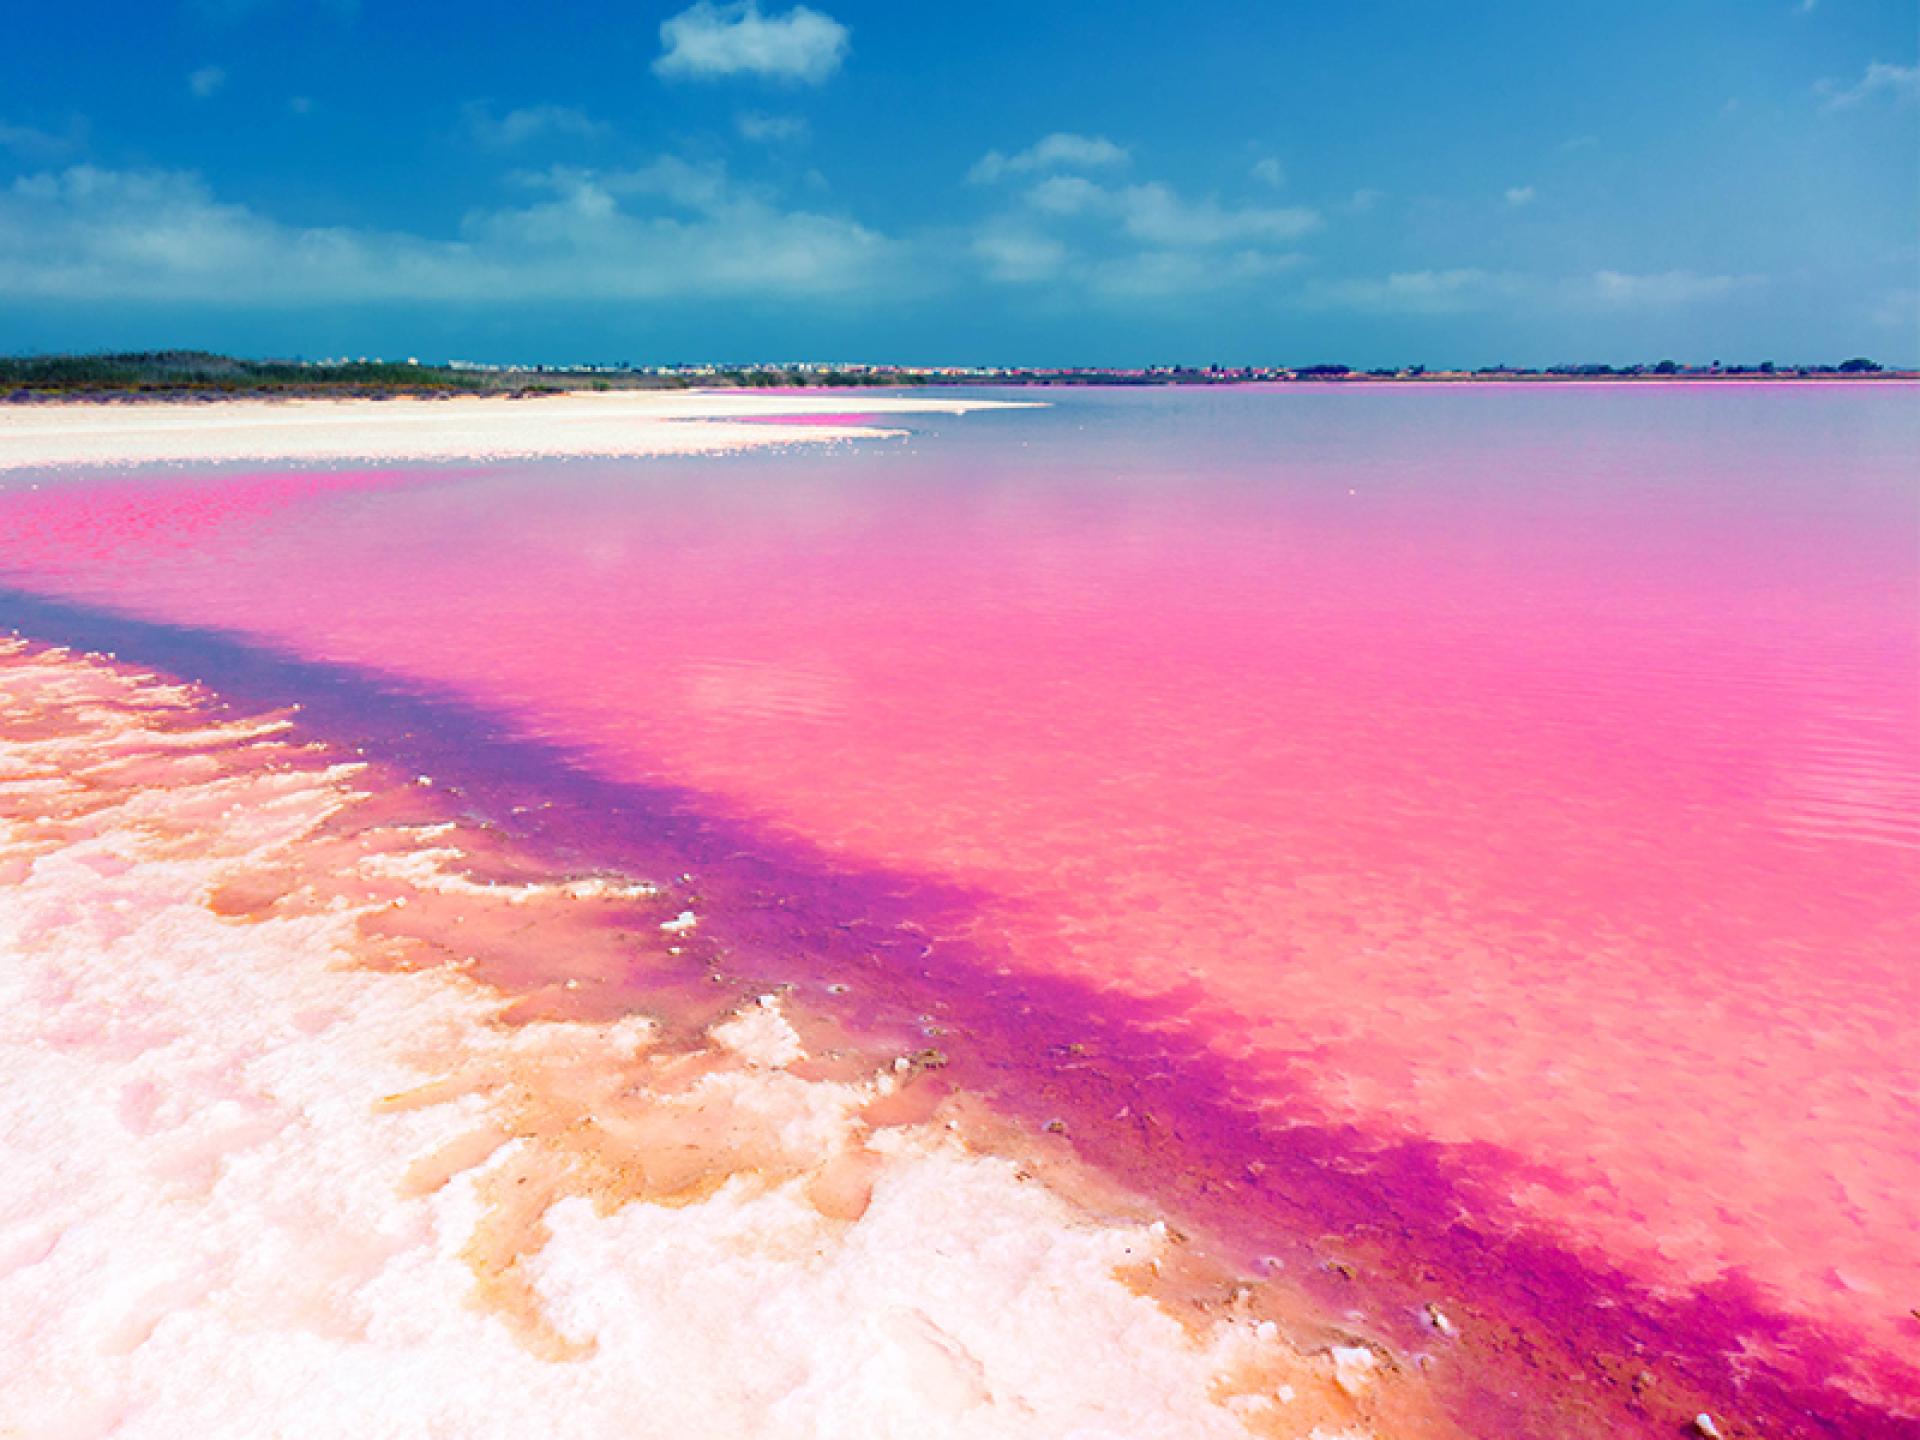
(1481, 823)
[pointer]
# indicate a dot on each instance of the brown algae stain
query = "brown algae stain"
(604, 1114)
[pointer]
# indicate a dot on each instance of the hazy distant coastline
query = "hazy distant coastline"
(197, 375)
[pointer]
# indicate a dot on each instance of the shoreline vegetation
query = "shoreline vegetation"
(200, 375)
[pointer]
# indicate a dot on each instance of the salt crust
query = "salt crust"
(203, 1230)
(618, 423)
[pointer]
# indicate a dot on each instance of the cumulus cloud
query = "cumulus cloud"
(528, 123)
(206, 80)
(1120, 241)
(1269, 172)
(1362, 201)
(1899, 83)
(1061, 150)
(1069, 195)
(1519, 195)
(711, 41)
(765, 129)
(695, 232)
(669, 230)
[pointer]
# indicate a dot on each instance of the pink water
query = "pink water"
(1518, 793)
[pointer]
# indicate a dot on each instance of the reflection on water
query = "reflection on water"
(1530, 775)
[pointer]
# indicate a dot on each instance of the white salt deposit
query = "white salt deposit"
(617, 423)
(249, 1186)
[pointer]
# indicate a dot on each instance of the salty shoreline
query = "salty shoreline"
(291, 1029)
(576, 425)
(298, 1111)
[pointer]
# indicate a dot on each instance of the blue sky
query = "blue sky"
(1374, 183)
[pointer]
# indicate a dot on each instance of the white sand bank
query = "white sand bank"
(612, 423)
(253, 1184)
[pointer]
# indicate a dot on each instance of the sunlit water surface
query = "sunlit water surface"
(1520, 787)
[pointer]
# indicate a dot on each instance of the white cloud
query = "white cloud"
(680, 183)
(1269, 172)
(87, 233)
(1365, 200)
(1467, 288)
(1069, 195)
(1156, 214)
(1900, 83)
(37, 146)
(1176, 274)
(206, 80)
(1519, 195)
(666, 231)
(712, 40)
(726, 241)
(1072, 223)
(1159, 216)
(1015, 253)
(1120, 242)
(1666, 287)
(531, 122)
(1020, 254)
(1061, 150)
(1415, 292)
(770, 129)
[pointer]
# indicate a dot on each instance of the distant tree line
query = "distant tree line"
(162, 373)
(1859, 365)
(190, 373)
(765, 379)
(197, 371)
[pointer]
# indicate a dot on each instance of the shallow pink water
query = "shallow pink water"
(1533, 773)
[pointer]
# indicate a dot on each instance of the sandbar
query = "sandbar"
(573, 425)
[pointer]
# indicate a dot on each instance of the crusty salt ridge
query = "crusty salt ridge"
(616, 423)
(250, 1185)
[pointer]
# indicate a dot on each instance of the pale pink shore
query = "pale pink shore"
(271, 1163)
(615, 423)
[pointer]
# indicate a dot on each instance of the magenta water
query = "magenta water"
(1480, 825)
